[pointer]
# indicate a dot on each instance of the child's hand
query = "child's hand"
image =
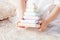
(18, 22)
(43, 26)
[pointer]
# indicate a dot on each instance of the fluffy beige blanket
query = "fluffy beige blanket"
(6, 10)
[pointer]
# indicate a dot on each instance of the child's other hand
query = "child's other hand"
(43, 26)
(18, 22)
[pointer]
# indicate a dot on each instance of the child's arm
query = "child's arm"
(50, 18)
(53, 14)
(22, 8)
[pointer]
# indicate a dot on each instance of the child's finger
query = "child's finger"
(40, 21)
(42, 28)
(19, 25)
(17, 22)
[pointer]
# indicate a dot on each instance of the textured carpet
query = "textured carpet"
(9, 31)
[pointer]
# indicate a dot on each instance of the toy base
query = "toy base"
(29, 25)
